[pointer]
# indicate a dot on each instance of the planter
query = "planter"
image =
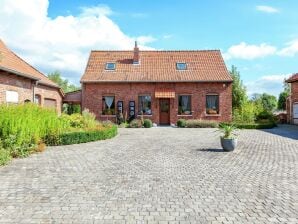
(228, 144)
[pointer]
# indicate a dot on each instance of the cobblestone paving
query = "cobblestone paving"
(158, 175)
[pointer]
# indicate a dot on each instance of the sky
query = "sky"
(259, 37)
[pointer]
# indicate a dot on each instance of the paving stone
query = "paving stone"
(157, 175)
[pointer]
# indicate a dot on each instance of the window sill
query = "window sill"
(212, 115)
(102, 115)
(184, 115)
(145, 115)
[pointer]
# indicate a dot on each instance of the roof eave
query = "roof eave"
(18, 73)
(117, 81)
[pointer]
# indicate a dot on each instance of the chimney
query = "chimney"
(136, 56)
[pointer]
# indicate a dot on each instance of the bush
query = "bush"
(247, 113)
(147, 123)
(181, 123)
(265, 115)
(82, 136)
(201, 124)
(5, 157)
(135, 123)
(266, 125)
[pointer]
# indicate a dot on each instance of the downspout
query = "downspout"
(33, 91)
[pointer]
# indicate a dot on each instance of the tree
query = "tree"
(66, 87)
(239, 96)
(62, 83)
(281, 105)
(266, 101)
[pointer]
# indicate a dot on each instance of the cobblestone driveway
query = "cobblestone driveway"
(158, 175)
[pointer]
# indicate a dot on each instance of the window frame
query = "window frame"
(104, 106)
(179, 63)
(110, 69)
(218, 105)
(190, 105)
(141, 112)
(8, 95)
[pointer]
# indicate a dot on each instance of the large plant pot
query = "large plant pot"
(228, 144)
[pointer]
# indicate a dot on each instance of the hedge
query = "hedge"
(196, 123)
(254, 125)
(83, 136)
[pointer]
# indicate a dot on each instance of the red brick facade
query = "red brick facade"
(26, 90)
(92, 94)
(291, 101)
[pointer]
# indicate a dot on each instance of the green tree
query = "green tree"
(66, 87)
(239, 96)
(266, 101)
(62, 83)
(281, 105)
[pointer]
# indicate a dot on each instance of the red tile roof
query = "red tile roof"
(293, 78)
(157, 66)
(12, 63)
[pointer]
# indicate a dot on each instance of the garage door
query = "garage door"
(295, 113)
(50, 103)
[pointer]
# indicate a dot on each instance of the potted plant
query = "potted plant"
(228, 140)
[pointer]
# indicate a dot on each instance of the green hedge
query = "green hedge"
(196, 123)
(254, 125)
(82, 136)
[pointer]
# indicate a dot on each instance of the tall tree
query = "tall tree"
(266, 101)
(281, 105)
(239, 96)
(62, 83)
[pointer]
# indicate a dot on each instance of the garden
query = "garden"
(29, 128)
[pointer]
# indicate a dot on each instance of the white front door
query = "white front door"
(295, 113)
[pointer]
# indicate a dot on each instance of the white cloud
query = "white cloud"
(267, 9)
(63, 42)
(246, 51)
(272, 84)
(290, 50)
(167, 36)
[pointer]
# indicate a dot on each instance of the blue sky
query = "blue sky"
(259, 37)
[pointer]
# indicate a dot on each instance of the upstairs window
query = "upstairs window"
(110, 66)
(181, 66)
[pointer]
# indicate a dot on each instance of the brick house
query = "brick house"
(161, 85)
(292, 100)
(20, 82)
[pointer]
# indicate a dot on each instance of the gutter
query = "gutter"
(154, 81)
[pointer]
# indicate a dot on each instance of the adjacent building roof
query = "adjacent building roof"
(293, 78)
(12, 63)
(156, 66)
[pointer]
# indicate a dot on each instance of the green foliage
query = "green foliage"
(147, 123)
(62, 83)
(181, 123)
(135, 123)
(239, 96)
(246, 114)
(82, 136)
(263, 125)
(200, 124)
(282, 99)
(228, 130)
(266, 101)
(84, 120)
(5, 156)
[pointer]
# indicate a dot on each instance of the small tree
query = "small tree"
(239, 96)
(281, 105)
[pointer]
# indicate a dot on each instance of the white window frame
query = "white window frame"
(11, 96)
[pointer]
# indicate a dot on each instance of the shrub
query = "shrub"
(82, 136)
(266, 125)
(246, 114)
(135, 123)
(181, 123)
(265, 115)
(200, 124)
(89, 119)
(147, 123)
(5, 156)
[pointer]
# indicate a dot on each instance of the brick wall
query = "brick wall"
(292, 100)
(24, 87)
(92, 98)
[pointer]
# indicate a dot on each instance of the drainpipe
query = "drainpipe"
(33, 91)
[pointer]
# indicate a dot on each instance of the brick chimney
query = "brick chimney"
(136, 56)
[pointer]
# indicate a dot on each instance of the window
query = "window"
(181, 66)
(37, 99)
(184, 105)
(145, 105)
(108, 105)
(12, 97)
(27, 101)
(212, 104)
(110, 66)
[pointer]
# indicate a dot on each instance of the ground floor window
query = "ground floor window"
(12, 97)
(184, 104)
(37, 99)
(145, 105)
(108, 105)
(212, 104)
